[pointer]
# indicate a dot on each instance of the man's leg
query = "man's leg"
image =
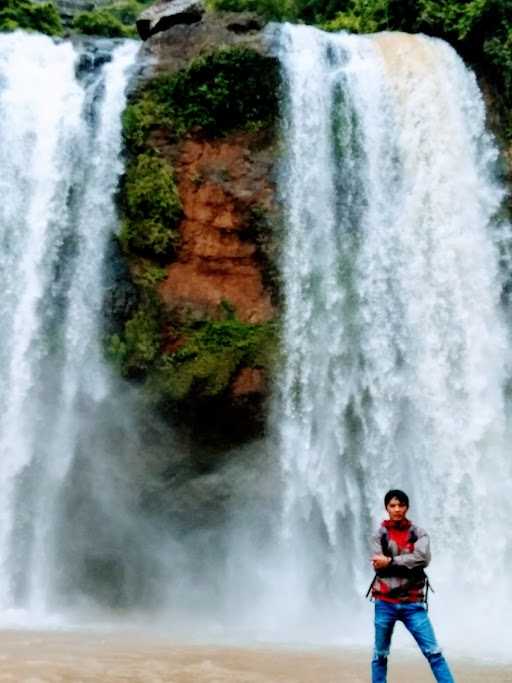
(385, 617)
(416, 620)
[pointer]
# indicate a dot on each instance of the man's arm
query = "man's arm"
(379, 560)
(376, 546)
(420, 557)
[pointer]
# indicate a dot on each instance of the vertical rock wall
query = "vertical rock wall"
(201, 249)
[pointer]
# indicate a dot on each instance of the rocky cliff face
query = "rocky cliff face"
(177, 38)
(221, 183)
(200, 215)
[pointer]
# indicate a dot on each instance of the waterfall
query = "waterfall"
(396, 331)
(396, 353)
(60, 137)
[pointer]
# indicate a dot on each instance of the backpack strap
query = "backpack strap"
(428, 587)
(384, 543)
(370, 587)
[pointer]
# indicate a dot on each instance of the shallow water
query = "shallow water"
(44, 657)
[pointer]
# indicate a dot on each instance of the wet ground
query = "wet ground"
(44, 657)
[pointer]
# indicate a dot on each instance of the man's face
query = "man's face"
(396, 510)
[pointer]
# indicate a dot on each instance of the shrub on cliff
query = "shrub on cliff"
(205, 365)
(30, 16)
(206, 362)
(100, 22)
(228, 89)
(135, 350)
(151, 207)
(272, 10)
(111, 21)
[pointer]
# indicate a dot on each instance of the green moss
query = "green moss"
(146, 273)
(205, 365)
(141, 115)
(135, 350)
(232, 88)
(30, 16)
(151, 207)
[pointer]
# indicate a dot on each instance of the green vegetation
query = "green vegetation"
(116, 20)
(204, 365)
(147, 273)
(356, 16)
(228, 89)
(30, 16)
(151, 207)
(180, 359)
(277, 10)
(213, 351)
(100, 22)
(135, 350)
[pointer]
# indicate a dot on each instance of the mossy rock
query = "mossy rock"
(188, 367)
(151, 207)
(207, 362)
(135, 350)
(232, 88)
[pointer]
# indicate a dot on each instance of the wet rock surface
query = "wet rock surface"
(162, 15)
(205, 108)
(221, 183)
(174, 39)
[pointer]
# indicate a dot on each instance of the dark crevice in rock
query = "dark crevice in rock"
(247, 26)
(164, 15)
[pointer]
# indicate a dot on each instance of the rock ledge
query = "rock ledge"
(166, 13)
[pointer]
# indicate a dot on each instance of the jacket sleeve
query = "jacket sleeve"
(375, 544)
(420, 557)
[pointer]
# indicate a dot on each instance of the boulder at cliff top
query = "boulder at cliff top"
(167, 13)
(175, 39)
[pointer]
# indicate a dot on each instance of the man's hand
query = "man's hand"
(381, 561)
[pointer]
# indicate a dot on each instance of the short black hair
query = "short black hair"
(399, 495)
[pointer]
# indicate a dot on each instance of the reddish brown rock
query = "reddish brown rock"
(220, 183)
(248, 381)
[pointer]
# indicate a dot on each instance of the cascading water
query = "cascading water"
(60, 136)
(396, 343)
(396, 339)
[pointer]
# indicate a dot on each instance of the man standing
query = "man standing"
(400, 554)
